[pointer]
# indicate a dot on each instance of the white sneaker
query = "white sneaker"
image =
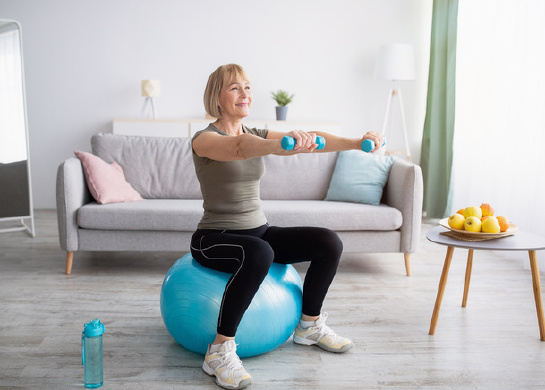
(322, 336)
(226, 366)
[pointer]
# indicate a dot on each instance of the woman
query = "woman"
(233, 235)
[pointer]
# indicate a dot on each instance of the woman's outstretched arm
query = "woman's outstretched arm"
(245, 146)
(241, 147)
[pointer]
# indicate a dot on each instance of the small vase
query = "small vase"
(281, 112)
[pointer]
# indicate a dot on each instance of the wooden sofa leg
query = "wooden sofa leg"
(69, 258)
(407, 263)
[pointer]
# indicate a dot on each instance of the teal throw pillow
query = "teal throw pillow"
(359, 177)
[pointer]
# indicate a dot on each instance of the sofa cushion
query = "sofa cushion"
(150, 214)
(359, 177)
(184, 215)
(162, 168)
(106, 182)
(157, 167)
(297, 177)
(338, 216)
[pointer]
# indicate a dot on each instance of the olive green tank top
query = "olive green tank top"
(230, 189)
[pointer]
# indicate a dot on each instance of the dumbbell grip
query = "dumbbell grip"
(368, 144)
(288, 143)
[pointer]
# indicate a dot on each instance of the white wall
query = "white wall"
(84, 61)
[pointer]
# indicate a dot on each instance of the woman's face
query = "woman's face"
(235, 98)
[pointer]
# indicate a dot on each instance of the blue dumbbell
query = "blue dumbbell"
(368, 144)
(288, 143)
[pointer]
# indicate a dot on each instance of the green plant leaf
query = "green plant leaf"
(282, 98)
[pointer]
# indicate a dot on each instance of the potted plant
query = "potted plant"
(282, 98)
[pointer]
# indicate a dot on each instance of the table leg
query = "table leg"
(468, 276)
(537, 293)
(441, 290)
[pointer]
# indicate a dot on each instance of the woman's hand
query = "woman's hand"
(303, 140)
(375, 137)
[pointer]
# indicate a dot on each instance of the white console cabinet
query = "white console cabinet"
(188, 127)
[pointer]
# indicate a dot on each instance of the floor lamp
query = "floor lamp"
(395, 63)
(150, 90)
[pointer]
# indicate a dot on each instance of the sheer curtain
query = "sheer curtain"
(499, 136)
(13, 143)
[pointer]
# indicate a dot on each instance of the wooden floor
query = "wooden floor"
(492, 344)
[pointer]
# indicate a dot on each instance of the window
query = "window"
(499, 136)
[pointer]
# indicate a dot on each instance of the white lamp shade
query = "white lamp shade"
(151, 88)
(395, 62)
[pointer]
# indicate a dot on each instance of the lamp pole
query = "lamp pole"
(396, 92)
(395, 62)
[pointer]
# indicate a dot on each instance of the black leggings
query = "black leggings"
(248, 255)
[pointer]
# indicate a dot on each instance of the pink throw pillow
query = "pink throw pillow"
(106, 182)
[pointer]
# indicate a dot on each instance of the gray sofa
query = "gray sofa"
(292, 190)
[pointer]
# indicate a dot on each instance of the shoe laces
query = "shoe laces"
(324, 330)
(232, 360)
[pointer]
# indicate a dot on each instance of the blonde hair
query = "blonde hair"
(215, 84)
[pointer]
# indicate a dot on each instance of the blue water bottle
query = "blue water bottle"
(92, 353)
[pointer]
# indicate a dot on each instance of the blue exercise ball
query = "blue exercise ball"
(191, 297)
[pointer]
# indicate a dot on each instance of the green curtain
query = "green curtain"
(437, 140)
